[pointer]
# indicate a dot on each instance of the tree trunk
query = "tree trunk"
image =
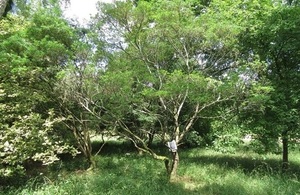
(3, 5)
(150, 139)
(285, 153)
(88, 151)
(175, 163)
(91, 161)
(85, 145)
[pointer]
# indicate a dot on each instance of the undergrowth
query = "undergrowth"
(200, 172)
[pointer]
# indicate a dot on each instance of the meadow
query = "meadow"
(201, 171)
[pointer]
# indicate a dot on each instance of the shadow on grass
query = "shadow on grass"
(248, 163)
(134, 174)
(126, 172)
(113, 147)
(224, 189)
(123, 147)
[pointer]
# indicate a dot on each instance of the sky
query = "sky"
(82, 9)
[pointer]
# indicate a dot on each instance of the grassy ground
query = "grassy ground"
(200, 171)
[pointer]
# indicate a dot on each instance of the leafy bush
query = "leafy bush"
(194, 139)
(30, 138)
(227, 137)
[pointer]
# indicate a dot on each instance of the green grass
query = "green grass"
(242, 173)
(200, 172)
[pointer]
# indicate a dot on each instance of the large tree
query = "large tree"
(275, 41)
(166, 70)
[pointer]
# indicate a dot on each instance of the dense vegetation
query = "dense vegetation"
(218, 74)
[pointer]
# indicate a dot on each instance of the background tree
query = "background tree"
(32, 52)
(275, 42)
(75, 90)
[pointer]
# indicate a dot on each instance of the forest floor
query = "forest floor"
(201, 171)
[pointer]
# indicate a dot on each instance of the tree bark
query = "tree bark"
(174, 167)
(285, 152)
(150, 139)
(91, 161)
(3, 5)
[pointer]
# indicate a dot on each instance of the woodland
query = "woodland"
(159, 83)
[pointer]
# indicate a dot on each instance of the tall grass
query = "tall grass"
(200, 172)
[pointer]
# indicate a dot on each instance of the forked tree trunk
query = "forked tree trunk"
(87, 150)
(285, 152)
(84, 144)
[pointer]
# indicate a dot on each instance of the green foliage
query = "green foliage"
(30, 138)
(168, 65)
(165, 43)
(273, 101)
(31, 52)
(194, 139)
(29, 8)
(227, 135)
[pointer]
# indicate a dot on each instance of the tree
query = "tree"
(32, 52)
(274, 40)
(75, 89)
(168, 70)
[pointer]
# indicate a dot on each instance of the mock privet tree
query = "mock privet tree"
(166, 62)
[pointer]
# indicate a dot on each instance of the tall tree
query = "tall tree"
(275, 41)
